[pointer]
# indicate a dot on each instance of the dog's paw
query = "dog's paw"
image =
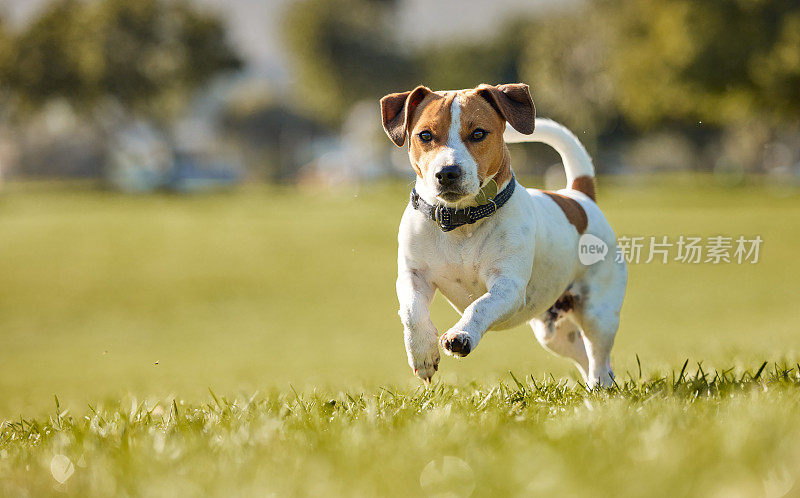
(425, 364)
(456, 343)
(602, 379)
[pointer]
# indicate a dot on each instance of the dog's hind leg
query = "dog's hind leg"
(598, 317)
(599, 325)
(563, 337)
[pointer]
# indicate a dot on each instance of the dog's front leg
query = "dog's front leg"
(505, 296)
(415, 293)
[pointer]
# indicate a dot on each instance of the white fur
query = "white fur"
(577, 161)
(510, 268)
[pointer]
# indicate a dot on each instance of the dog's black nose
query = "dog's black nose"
(449, 174)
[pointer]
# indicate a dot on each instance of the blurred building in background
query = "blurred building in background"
(191, 94)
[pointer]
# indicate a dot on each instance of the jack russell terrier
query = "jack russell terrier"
(500, 253)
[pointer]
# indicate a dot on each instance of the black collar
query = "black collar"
(450, 218)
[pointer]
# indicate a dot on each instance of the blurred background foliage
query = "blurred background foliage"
(344, 52)
(648, 85)
(146, 56)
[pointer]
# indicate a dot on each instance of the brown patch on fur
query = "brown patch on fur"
(491, 153)
(584, 184)
(572, 209)
(503, 175)
(433, 115)
(393, 115)
(566, 302)
(396, 112)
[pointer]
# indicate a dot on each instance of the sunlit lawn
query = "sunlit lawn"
(109, 299)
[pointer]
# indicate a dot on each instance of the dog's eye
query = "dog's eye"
(425, 136)
(478, 134)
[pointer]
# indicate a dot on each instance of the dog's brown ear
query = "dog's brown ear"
(396, 112)
(513, 102)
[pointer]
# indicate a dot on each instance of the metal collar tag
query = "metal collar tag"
(487, 193)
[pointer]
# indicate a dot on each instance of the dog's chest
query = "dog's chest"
(457, 273)
(461, 286)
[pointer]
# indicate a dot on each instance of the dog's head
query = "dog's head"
(456, 137)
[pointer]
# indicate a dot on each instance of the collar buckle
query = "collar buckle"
(445, 219)
(437, 216)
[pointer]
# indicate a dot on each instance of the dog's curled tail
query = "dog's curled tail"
(577, 163)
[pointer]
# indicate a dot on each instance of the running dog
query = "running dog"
(500, 253)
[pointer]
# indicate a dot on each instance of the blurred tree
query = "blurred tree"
(465, 64)
(6, 54)
(345, 51)
(146, 56)
(46, 58)
(276, 139)
(716, 61)
(621, 69)
(565, 61)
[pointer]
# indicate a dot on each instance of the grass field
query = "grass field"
(247, 343)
